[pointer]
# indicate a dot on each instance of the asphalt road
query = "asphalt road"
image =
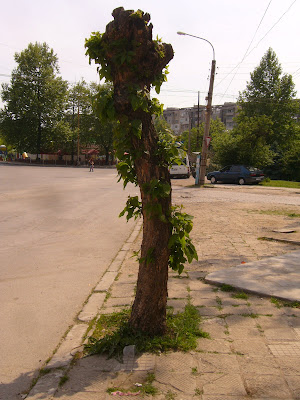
(59, 231)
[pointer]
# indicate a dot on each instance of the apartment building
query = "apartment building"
(180, 119)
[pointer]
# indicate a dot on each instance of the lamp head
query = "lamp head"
(181, 33)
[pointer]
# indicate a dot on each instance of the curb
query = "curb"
(60, 362)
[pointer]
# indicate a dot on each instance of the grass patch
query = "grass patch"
(240, 295)
(112, 333)
(227, 288)
(290, 214)
(278, 183)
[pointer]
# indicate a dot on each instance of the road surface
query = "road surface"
(59, 231)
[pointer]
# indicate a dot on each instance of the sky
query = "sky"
(241, 31)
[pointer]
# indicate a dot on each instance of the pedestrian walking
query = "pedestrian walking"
(91, 165)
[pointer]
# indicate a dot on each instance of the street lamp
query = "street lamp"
(205, 142)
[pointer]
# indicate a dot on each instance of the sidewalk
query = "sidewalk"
(254, 346)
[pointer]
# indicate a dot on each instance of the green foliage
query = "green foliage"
(270, 97)
(180, 243)
(113, 333)
(133, 208)
(245, 144)
(34, 100)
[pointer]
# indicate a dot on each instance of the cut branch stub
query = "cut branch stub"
(128, 43)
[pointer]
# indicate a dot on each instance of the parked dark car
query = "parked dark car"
(236, 174)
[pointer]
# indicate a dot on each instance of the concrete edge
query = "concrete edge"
(250, 291)
(288, 241)
(61, 361)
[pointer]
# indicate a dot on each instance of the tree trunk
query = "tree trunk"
(149, 308)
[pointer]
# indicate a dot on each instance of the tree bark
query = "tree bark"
(149, 308)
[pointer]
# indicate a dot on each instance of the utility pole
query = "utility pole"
(207, 124)
(198, 125)
(78, 133)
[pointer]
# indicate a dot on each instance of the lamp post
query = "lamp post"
(205, 142)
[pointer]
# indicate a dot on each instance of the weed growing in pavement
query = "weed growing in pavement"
(227, 288)
(219, 302)
(279, 303)
(240, 295)
(63, 380)
(146, 387)
(112, 333)
(250, 315)
(198, 392)
(259, 328)
(108, 295)
(194, 370)
(170, 395)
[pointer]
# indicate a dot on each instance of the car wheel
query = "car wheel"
(241, 181)
(213, 180)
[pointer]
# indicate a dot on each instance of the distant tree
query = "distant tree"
(102, 130)
(271, 94)
(216, 127)
(79, 116)
(34, 99)
(245, 144)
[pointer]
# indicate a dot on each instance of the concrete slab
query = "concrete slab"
(275, 276)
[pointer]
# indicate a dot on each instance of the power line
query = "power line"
(245, 55)
(273, 26)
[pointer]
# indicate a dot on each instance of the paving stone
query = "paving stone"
(199, 286)
(106, 281)
(254, 348)
(245, 333)
(250, 366)
(294, 385)
(225, 384)
(146, 362)
(122, 289)
(281, 334)
(267, 386)
(209, 302)
(180, 382)
(177, 293)
(111, 310)
(46, 386)
(177, 304)
(121, 255)
(239, 321)
(222, 397)
(221, 346)
(178, 361)
(114, 266)
(211, 363)
(291, 349)
(65, 352)
(119, 301)
(209, 311)
(92, 307)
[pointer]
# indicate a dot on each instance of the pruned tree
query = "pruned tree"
(134, 62)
